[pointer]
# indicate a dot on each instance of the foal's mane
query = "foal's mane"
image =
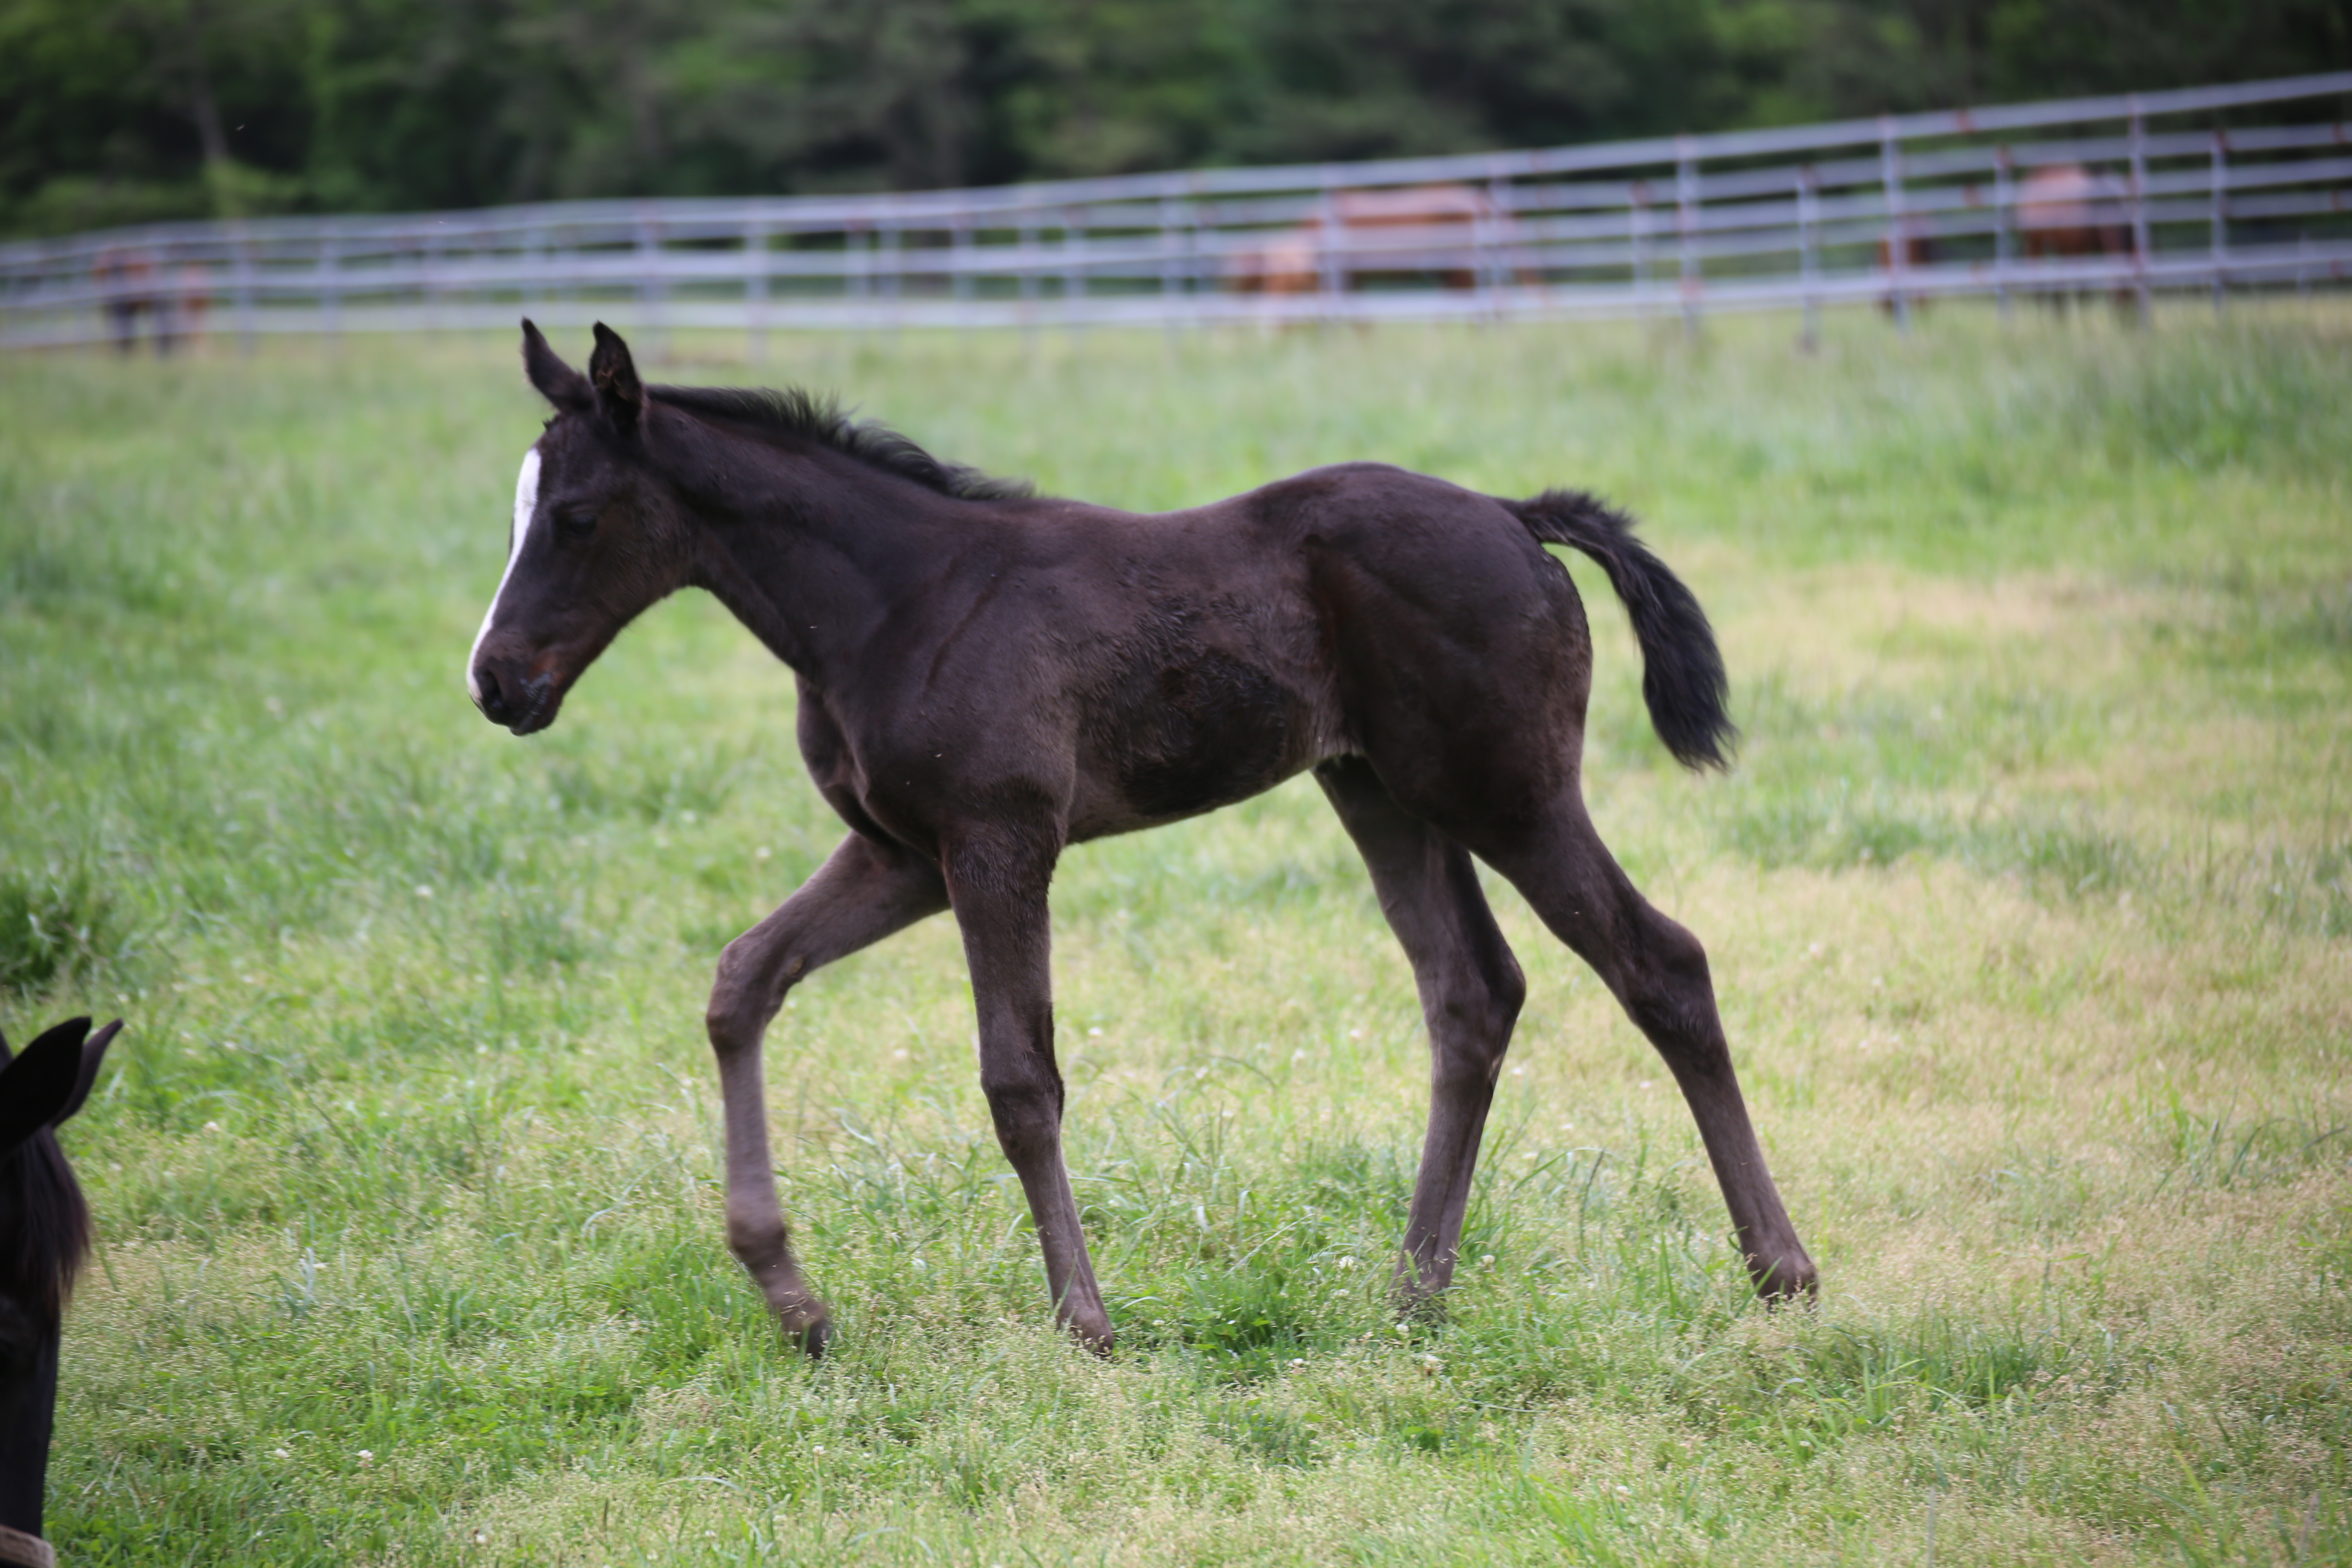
(794, 413)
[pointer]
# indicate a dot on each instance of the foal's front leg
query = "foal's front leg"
(865, 890)
(997, 879)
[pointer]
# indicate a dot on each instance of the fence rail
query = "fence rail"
(2132, 195)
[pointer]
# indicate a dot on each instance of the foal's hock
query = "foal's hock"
(987, 676)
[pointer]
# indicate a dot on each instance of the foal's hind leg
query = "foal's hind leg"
(1658, 973)
(861, 894)
(1471, 990)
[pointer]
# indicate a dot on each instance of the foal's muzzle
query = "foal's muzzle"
(520, 704)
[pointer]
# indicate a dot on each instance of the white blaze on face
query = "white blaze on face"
(526, 503)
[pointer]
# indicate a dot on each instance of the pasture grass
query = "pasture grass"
(2030, 908)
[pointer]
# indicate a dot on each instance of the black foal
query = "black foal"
(44, 1233)
(987, 676)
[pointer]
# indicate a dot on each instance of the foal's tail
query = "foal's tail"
(1682, 674)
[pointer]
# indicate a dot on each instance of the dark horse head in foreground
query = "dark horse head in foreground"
(987, 677)
(44, 1233)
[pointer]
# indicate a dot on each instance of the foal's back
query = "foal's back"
(1193, 658)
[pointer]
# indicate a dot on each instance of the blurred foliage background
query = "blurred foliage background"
(125, 111)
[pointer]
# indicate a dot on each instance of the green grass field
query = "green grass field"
(2030, 907)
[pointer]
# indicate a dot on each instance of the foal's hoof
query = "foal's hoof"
(1096, 1336)
(811, 1338)
(1417, 1302)
(1418, 1310)
(1786, 1279)
(807, 1326)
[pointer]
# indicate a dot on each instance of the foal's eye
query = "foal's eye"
(576, 524)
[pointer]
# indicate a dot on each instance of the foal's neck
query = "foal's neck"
(812, 550)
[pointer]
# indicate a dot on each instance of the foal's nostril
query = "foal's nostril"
(491, 700)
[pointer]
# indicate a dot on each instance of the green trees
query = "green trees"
(114, 110)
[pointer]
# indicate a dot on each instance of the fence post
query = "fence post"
(649, 284)
(959, 251)
(2219, 220)
(468, 244)
(433, 237)
(1075, 285)
(1195, 269)
(1890, 178)
(2141, 291)
(566, 260)
(1637, 214)
(1334, 234)
(755, 291)
(331, 293)
(1490, 231)
(1686, 223)
(1809, 262)
(1168, 282)
(241, 254)
(1028, 253)
(2004, 213)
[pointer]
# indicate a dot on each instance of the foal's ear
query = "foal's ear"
(557, 382)
(93, 1052)
(620, 396)
(35, 1088)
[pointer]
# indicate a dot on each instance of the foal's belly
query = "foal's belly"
(1195, 729)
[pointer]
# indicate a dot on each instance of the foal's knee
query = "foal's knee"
(1470, 1022)
(1026, 1107)
(1506, 993)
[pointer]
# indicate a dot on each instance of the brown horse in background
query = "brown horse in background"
(2066, 213)
(1918, 249)
(1414, 234)
(134, 283)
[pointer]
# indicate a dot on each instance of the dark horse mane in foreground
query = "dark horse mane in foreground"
(988, 677)
(794, 416)
(44, 1236)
